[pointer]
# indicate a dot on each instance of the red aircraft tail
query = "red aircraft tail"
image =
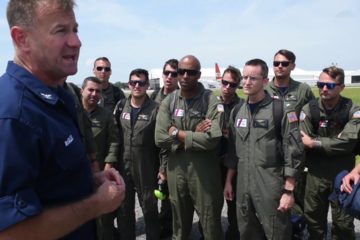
(217, 72)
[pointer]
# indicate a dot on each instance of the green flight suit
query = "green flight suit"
(232, 231)
(295, 97)
(165, 208)
(193, 170)
(140, 166)
(83, 120)
(106, 138)
(110, 96)
(324, 163)
(263, 159)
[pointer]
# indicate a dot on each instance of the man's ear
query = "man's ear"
(19, 37)
(293, 66)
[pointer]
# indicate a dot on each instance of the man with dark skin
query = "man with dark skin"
(193, 170)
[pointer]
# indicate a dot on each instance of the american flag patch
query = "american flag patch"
(292, 117)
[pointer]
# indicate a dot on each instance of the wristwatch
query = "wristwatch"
(174, 133)
(287, 191)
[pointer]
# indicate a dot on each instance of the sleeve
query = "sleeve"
(20, 153)
(164, 157)
(293, 147)
(200, 141)
(347, 140)
(163, 123)
(113, 141)
(305, 121)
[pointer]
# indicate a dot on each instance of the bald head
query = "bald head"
(192, 61)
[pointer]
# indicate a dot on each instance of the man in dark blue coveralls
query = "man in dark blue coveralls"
(46, 184)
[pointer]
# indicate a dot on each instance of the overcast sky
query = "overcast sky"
(139, 33)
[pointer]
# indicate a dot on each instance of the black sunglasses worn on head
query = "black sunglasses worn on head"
(134, 82)
(283, 63)
(231, 84)
(107, 69)
(190, 72)
(330, 86)
(172, 74)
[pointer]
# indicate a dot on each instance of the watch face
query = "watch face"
(174, 132)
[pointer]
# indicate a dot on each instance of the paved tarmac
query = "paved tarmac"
(140, 227)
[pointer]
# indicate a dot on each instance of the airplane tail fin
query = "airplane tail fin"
(217, 72)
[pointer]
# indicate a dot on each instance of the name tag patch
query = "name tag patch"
(241, 122)
(179, 112)
(69, 140)
(126, 116)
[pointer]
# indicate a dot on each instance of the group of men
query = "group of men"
(62, 148)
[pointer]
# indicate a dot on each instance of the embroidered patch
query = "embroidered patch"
(179, 112)
(292, 117)
(69, 140)
(356, 114)
(323, 123)
(302, 116)
(220, 108)
(241, 122)
(46, 95)
(126, 115)
(143, 117)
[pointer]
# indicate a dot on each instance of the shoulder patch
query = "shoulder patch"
(356, 114)
(302, 116)
(292, 117)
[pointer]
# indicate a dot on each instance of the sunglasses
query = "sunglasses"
(190, 72)
(172, 74)
(135, 82)
(226, 83)
(330, 86)
(283, 63)
(106, 69)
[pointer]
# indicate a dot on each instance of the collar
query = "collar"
(32, 83)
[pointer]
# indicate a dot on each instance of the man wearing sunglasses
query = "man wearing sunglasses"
(170, 80)
(110, 93)
(229, 84)
(294, 95)
(337, 120)
(140, 157)
(266, 164)
(191, 135)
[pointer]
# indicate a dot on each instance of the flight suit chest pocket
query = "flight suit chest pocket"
(242, 127)
(97, 127)
(266, 144)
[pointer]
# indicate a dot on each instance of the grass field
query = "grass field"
(350, 92)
